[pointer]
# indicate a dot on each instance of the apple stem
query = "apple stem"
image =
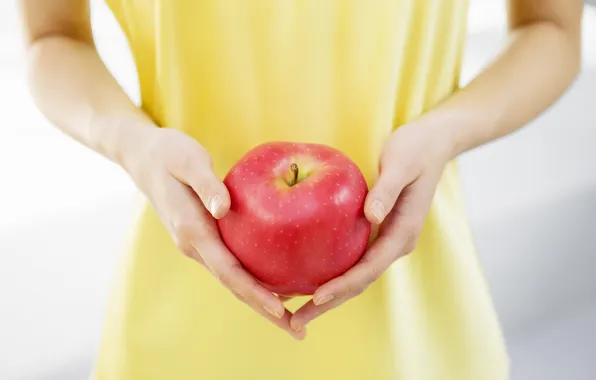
(294, 169)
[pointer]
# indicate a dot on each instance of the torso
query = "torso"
(344, 73)
(237, 73)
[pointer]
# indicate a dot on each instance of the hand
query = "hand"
(174, 172)
(410, 168)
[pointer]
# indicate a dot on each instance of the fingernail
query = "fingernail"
(272, 311)
(324, 299)
(214, 204)
(300, 335)
(378, 210)
(295, 326)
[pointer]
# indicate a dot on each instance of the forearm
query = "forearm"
(72, 87)
(531, 73)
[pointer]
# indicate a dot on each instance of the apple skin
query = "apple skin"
(295, 237)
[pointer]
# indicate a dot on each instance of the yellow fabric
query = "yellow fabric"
(235, 73)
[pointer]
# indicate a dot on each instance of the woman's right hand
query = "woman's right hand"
(174, 172)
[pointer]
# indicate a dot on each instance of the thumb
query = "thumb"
(382, 197)
(211, 190)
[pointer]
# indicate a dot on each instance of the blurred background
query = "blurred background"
(64, 211)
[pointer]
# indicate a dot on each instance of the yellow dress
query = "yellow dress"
(236, 73)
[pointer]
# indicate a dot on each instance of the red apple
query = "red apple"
(296, 219)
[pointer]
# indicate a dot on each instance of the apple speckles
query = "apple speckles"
(296, 259)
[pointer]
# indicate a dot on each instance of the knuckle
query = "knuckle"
(410, 247)
(352, 289)
(238, 295)
(373, 274)
(184, 228)
(186, 251)
(188, 163)
(410, 231)
(358, 290)
(205, 158)
(185, 235)
(184, 247)
(202, 231)
(410, 234)
(202, 187)
(224, 279)
(387, 191)
(191, 161)
(190, 229)
(248, 288)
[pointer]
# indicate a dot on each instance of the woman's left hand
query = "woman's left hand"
(410, 168)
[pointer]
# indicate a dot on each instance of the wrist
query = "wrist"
(455, 128)
(120, 138)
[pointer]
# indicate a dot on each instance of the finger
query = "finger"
(347, 286)
(408, 215)
(231, 274)
(397, 238)
(197, 236)
(187, 216)
(382, 197)
(196, 171)
(283, 323)
(355, 281)
(213, 193)
(259, 300)
(310, 311)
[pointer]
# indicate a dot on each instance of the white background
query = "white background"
(531, 198)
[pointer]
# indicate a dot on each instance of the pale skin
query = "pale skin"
(174, 172)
